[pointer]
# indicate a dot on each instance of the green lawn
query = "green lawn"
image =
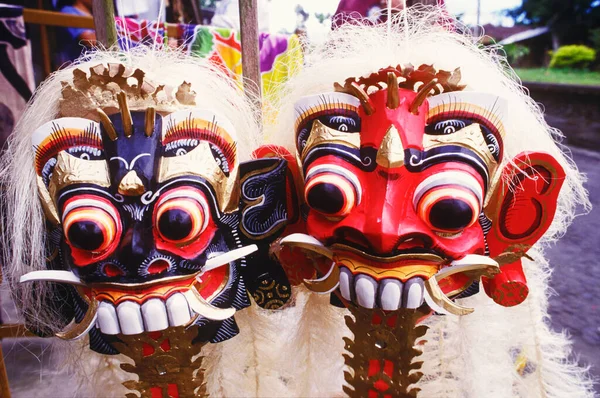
(566, 76)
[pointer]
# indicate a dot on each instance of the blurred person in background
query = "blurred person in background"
(227, 15)
(70, 42)
(373, 11)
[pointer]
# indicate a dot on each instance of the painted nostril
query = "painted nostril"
(112, 271)
(352, 237)
(411, 242)
(158, 267)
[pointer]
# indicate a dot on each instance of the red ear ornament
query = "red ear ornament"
(521, 210)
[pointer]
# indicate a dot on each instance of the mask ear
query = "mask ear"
(265, 211)
(521, 210)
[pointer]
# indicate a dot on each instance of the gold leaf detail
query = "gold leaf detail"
(394, 339)
(131, 185)
(391, 151)
(173, 363)
(320, 134)
(200, 162)
(71, 170)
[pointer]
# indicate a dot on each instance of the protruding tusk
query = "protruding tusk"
(433, 305)
(192, 320)
(226, 258)
(52, 276)
(326, 284)
(78, 330)
(306, 242)
(472, 265)
(436, 294)
(199, 305)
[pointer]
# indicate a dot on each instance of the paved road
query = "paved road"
(576, 278)
(575, 308)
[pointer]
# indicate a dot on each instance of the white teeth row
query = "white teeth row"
(389, 294)
(153, 315)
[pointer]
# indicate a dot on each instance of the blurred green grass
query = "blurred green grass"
(565, 76)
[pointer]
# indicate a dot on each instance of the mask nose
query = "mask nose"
(135, 247)
(391, 150)
(389, 225)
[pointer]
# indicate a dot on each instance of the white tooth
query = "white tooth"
(413, 293)
(391, 294)
(178, 310)
(155, 315)
(365, 291)
(130, 318)
(107, 318)
(346, 283)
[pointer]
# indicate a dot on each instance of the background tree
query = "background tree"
(570, 21)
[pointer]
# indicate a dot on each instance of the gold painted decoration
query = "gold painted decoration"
(321, 134)
(327, 283)
(423, 92)
(131, 185)
(407, 77)
(99, 87)
(382, 357)
(167, 363)
(150, 121)
(392, 91)
(314, 105)
(47, 202)
(107, 124)
(391, 152)
(271, 294)
(203, 145)
(200, 162)
(70, 170)
(483, 136)
(125, 114)
(77, 329)
(469, 137)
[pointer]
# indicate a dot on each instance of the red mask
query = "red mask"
(405, 195)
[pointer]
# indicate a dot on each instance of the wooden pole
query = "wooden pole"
(4, 390)
(44, 45)
(104, 20)
(53, 18)
(250, 52)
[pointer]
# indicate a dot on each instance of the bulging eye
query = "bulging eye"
(91, 224)
(181, 216)
(332, 190)
(449, 202)
(448, 126)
